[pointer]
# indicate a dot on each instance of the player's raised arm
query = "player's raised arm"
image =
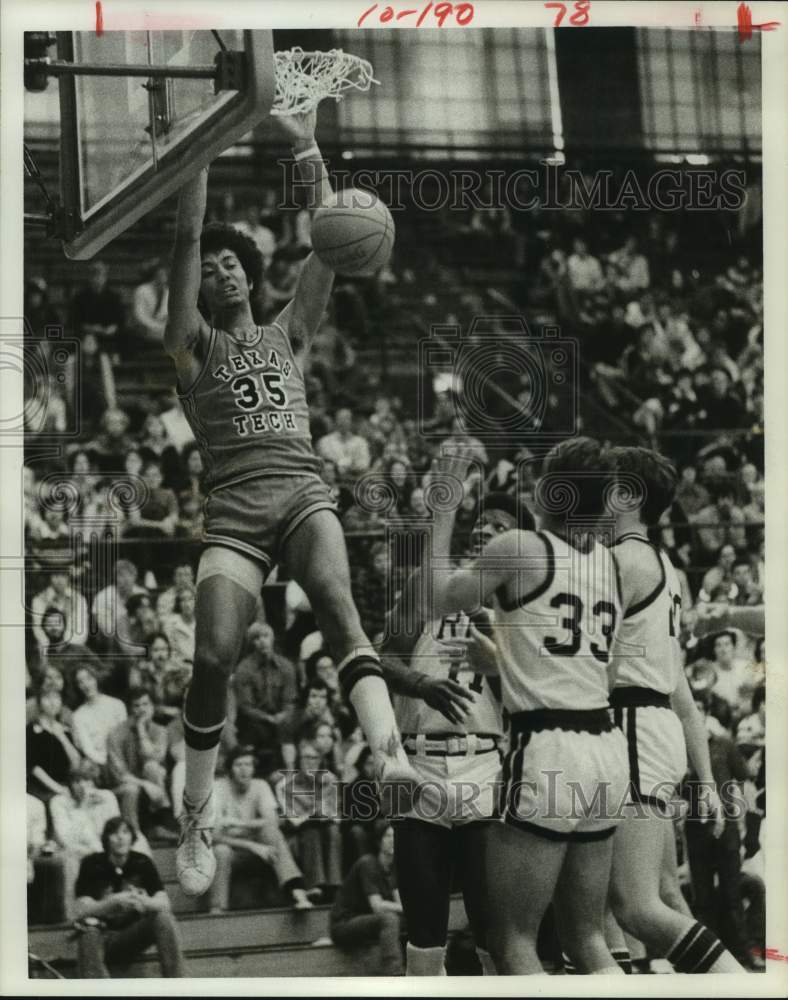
(301, 317)
(185, 325)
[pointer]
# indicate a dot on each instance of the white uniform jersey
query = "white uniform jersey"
(431, 658)
(554, 641)
(646, 649)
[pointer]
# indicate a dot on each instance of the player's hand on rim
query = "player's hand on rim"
(299, 127)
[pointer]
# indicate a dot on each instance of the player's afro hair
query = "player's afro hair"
(217, 236)
(576, 475)
(656, 474)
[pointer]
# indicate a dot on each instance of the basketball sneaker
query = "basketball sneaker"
(195, 863)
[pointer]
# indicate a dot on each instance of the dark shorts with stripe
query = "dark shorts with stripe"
(656, 748)
(565, 776)
(256, 516)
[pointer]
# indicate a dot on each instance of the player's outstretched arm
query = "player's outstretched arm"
(301, 317)
(185, 325)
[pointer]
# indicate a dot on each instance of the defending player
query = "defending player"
(243, 394)
(458, 760)
(556, 607)
(654, 707)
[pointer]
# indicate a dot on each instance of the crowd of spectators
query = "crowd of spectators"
(671, 355)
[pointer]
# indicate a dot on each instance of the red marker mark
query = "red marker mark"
(462, 13)
(746, 27)
(579, 19)
(99, 18)
(697, 18)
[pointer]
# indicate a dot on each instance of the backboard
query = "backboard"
(128, 142)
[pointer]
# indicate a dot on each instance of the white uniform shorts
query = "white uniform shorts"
(657, 752)
(565, 783)
(456, 789)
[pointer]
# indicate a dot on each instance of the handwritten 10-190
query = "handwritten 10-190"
(438, 13)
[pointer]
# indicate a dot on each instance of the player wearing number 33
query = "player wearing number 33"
(242, 390)
(557, 606)
(451, 723)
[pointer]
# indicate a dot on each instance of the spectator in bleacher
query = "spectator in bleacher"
(371, 587)
(367, 910)
(143, 621)
(50, 680)
(122, 908)
(585, 271)
(346, 449)
(149, 306)
(79, 815)
(179, 627)
(50, 530)
(38, 310)
(736, 675)
(325, 739)
(158, 515)
(60, 594)
(45, 869)
(314, 708)
(155, 443)
(97, 308)
(722, 407)
(718, 580)
(182, 576)
(109, 604)
(690, 493)
(247, 831)
(95, 719)
(113, 443)
(630, 272)
(310, 803)
(721, 522)
(160, 675)
(136, 751)
(321, 666)
(266, 691)
(50, 752)
(262, 235)
(748, 591)
(65, 656)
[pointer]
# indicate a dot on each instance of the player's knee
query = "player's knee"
(216, 659)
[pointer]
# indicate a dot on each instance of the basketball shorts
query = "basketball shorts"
(256, 516)
(456, 789)
(565, 775)
(656, 749)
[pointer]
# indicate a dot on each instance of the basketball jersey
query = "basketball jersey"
(248, 409)
(554, 641)
(646, 648)
(431, 658)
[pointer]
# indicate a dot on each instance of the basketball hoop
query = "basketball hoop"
(303, 79)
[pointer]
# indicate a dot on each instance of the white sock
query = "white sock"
(201, 766)
(488, 966)
(425, 961)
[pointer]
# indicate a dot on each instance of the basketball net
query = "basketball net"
(303, 79)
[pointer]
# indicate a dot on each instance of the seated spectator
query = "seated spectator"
(585, 272)
(748, 592)
(630, 272)
(109, 604)
(66, 657)
(247, 832)
(156, 444)
(95, 719)
(79, 815)
(165, 678)
(361, 806)
(313, 708)
(179, 627)
(321, 666)
(61, 595)
(143, 621)
(136, 751)
(265, 690)
(722, 407)
(112, 443)
(326, 742)
(690, 493)
(367, 910)
(50, 752)
(718, 581)
(122, 908)
(45, 869)
(98, 309)
(158, 515)
(149, 305)
(347, 450)
(51, 680)
(737, 677)
(721, 522)
(182, 576)
(309, 800)
(50, 531)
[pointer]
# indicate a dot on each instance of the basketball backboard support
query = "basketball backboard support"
(131, 137)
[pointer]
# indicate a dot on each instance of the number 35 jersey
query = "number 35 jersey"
(248, 409)
(554, 641)
(430, 657)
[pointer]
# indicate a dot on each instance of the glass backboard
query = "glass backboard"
(128, 142)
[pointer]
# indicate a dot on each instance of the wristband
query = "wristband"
(312, 151)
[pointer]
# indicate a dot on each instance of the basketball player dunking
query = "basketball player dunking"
(556, 605)
(653, 705)
(458, 760)
(242, 390)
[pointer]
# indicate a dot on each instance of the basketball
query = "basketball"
(354, 233)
